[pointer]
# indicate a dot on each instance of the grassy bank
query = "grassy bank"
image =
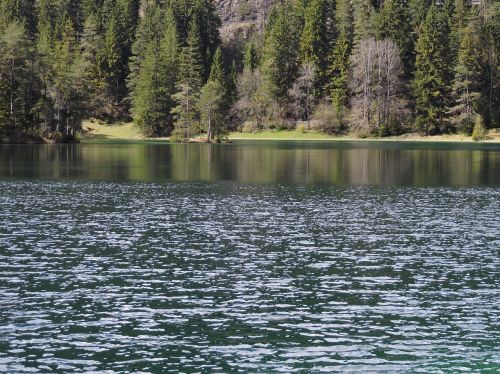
(95, 132)
(493, 136)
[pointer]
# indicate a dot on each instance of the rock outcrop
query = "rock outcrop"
(240, 18)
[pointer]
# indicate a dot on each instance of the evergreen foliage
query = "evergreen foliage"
(163, 64)
(432, 72)
(280, 55)
(467, 83)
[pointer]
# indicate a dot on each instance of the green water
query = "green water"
(250, 257)
(339, 163)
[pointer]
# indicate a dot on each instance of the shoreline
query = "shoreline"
(128, 132)
(94, 132)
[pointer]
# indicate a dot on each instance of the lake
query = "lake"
(255, 256)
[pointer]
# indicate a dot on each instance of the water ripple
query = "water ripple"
(113, 277)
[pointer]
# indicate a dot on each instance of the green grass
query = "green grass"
(95, 131)
(283, 135)
(128, 132)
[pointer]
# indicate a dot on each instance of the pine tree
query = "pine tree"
(152, 100)
(217, 73)
(280, 57)
(112, 56)
(168, 69)
(363, 12)
(145, 105)
(211, 106)
(339, 75)
(251, 58)
(208, 25)
(458, 22)
(395, 23)
(344, 20)
(418, 11)
(467, 83)
(63, 87)
(15, 84)
(232, 84)
(147, 30)
(92, 47)
(432, 72)
(490, 32)
(188, 87)
(314, 43)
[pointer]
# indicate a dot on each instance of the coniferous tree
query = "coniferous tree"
(92, 46)
(147, 30)
(458, 22)
(314, 43)
(211, 106)
(339, 75)
(14, 80)
(112, 57)
(188, 86)
(232, 84)
(395, 23)
(467, 82)
(280, 57)
(432, 72)
(152, 100)
(217, 73)
(251, 59)
(490, 15)
(344, 20)
(363, 12)
(64, 83)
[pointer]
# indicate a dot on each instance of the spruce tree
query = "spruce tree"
(344, 20)
(63, 87)
(92, 47)
(217, 69)
(112, 56)
(250, 58)
(168, 70)
(432, 72)
(363, 12)
(15, 84)
(467, 82)
(152, 100)
(395, 23)
(314, 43)
(339, 75)
(232, 83)
(490, 32)
(211, 106)
(188, 86)
(280, 54)
(147, 29)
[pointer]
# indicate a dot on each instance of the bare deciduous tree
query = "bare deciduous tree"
(302, 92)
(378, 101)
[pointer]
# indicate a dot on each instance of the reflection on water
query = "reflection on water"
(340, 163)
(325, 257)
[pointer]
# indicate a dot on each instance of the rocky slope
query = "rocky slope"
(242, 17)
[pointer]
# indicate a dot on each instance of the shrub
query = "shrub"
(301, 128)
(327, 120)
(479, 132)
(249, 126)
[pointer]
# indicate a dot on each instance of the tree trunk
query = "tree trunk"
(209, 130)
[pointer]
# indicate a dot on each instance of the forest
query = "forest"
(368, 67)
